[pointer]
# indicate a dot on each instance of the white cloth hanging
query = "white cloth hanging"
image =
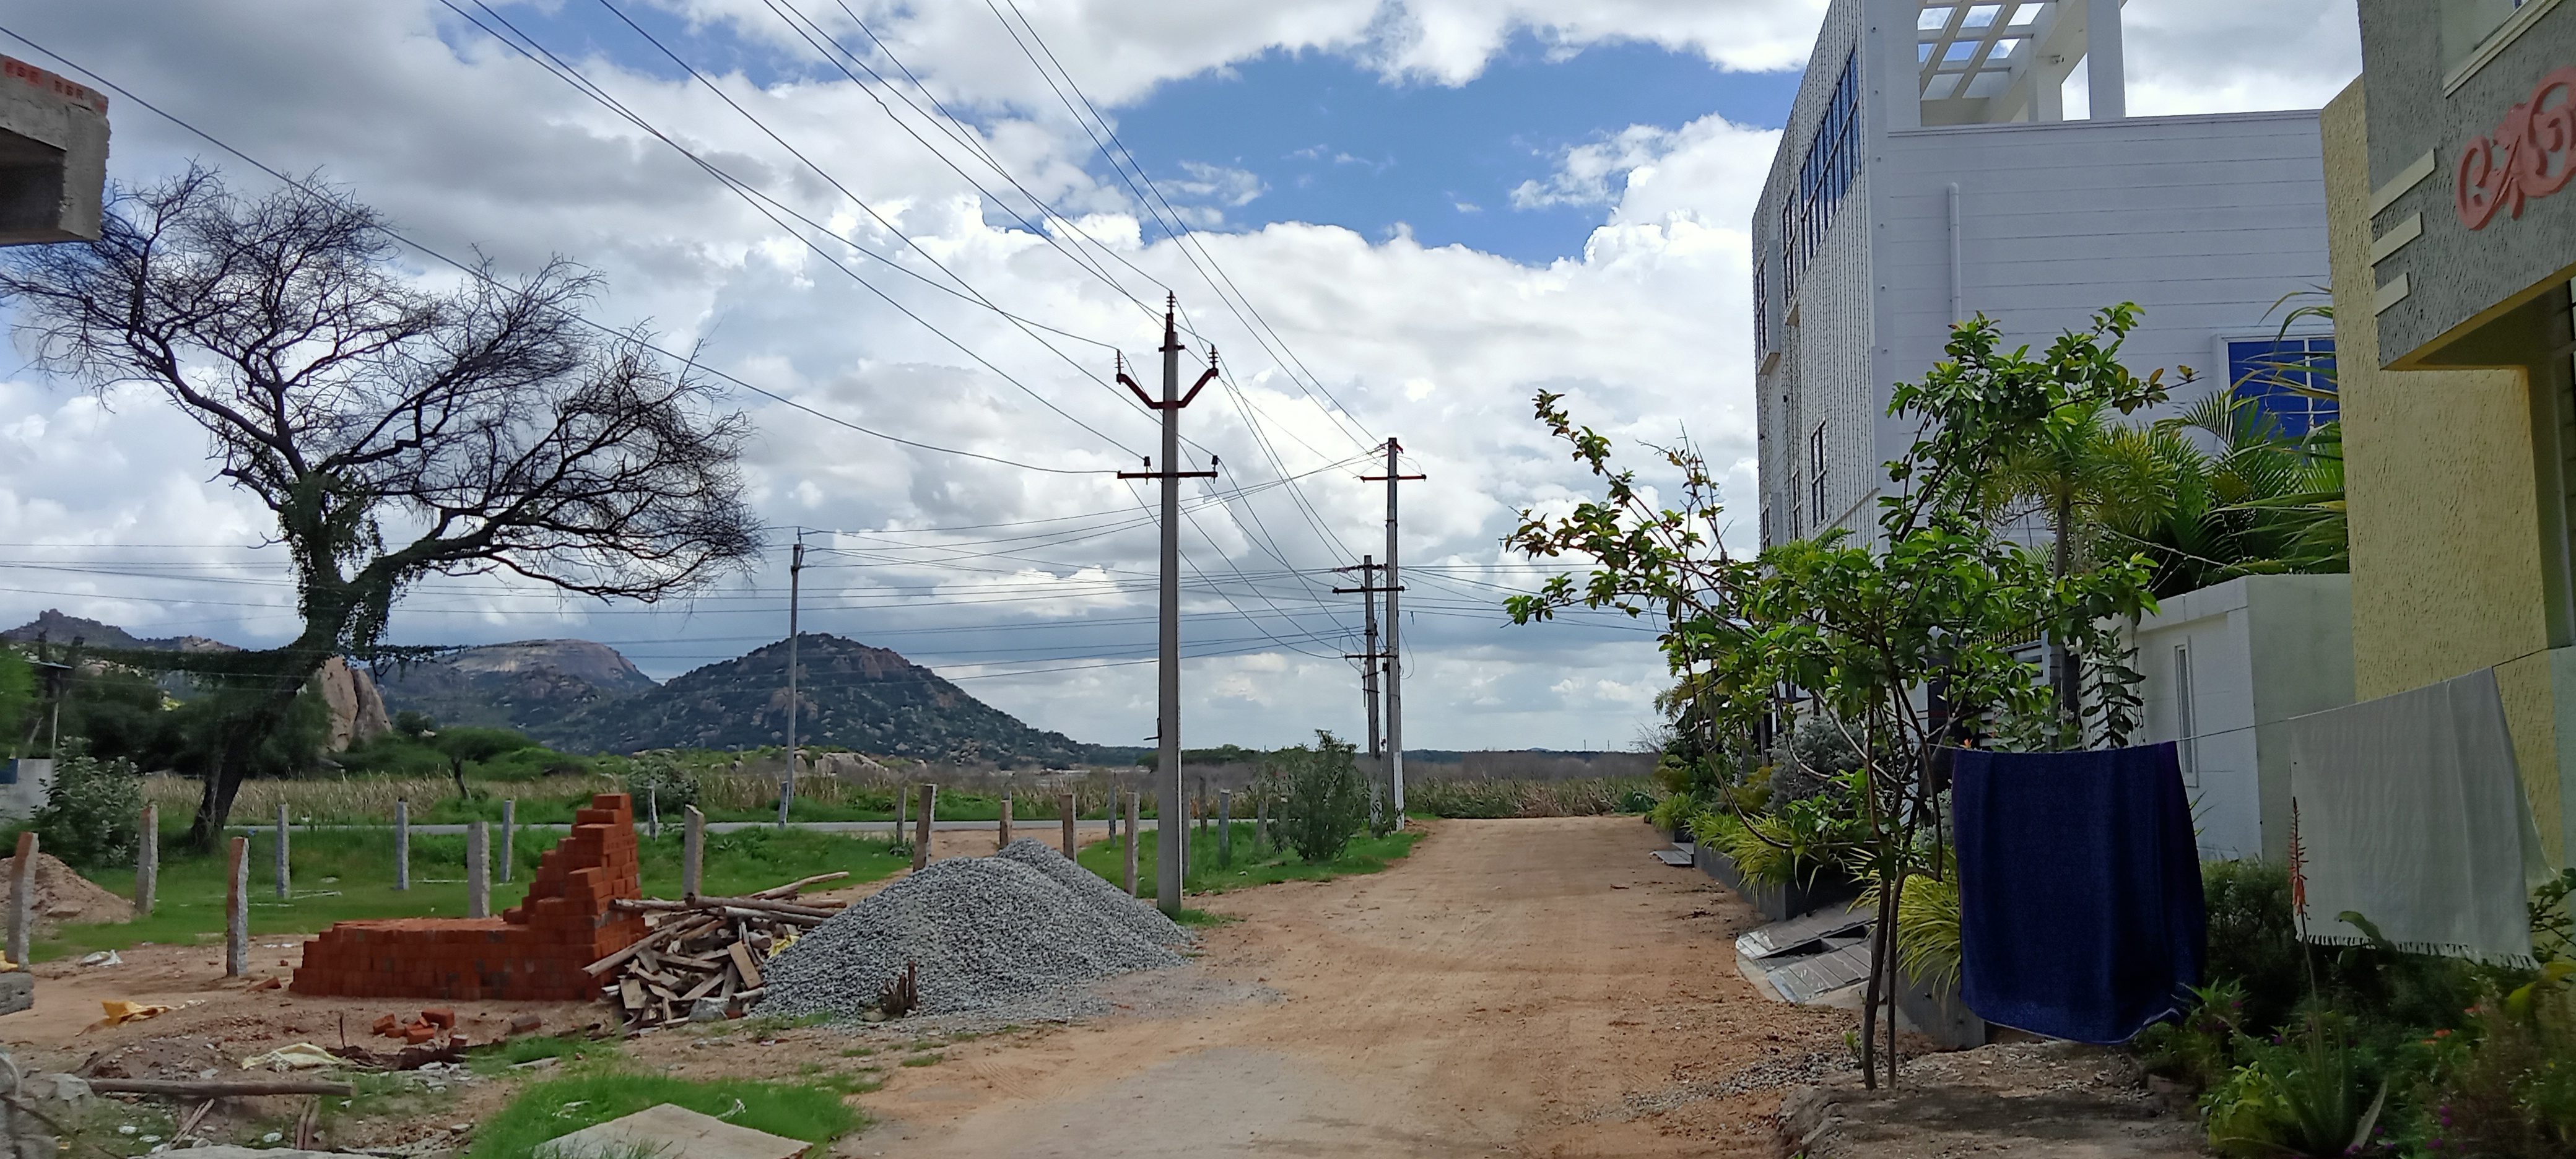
(2409, 811)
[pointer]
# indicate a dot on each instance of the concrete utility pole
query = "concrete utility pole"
(795, 578)
(1394, 651)
(1171, 819)
(1369, 656)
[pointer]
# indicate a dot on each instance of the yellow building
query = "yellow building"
(2453, 239)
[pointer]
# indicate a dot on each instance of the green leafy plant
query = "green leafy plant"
(2199, 1049)
(1327, 798)
(1862, 626)
(2314, 1095)
(2505, 1086)
(93, 817)
(662, 778)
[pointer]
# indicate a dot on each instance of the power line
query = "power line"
(1176, 225)
(483, 276)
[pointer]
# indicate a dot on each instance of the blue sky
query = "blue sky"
(1325, 137)
(1334, 143)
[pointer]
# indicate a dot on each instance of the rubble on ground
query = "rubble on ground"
(982, 931)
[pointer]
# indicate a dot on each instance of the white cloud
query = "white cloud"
(466, 144)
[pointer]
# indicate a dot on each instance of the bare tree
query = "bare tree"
(395, 432)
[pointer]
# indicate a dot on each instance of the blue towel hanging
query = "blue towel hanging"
(2080, 906)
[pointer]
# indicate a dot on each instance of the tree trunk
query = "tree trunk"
(1880, 937)
(2061, 663)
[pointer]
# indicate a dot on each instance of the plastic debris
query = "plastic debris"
(301, 1056)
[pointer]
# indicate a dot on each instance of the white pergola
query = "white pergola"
(1993, 63)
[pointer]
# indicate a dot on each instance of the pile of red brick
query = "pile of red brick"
(534, 951)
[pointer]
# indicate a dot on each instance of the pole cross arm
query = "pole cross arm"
(1156, 404)
(1347, 591)
(1167, 474)
(1382, 478)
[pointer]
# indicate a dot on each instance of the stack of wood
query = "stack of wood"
(704, 949)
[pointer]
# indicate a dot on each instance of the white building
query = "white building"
(1926, 175)
(2225, 668)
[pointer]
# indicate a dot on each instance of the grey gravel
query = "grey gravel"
(984, 930)
(1096, 892)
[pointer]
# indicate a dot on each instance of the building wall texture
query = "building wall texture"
(2446, 563)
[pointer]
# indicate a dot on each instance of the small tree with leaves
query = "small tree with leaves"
(394, 432)
(1854, 634)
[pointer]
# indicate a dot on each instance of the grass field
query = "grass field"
(812, 1110)
(1253, 864)
(339, 875)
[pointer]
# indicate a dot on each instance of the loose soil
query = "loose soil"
(63, 895)
(1541, 987)
(1537, 987)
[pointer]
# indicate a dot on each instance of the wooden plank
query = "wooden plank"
(705, 988)
(744, 965)
(630, 994)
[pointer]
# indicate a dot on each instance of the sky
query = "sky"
(1394, 218)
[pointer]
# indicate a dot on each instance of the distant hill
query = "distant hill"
(585, 697)
(60, 631)
(539, 687)
(854, 696)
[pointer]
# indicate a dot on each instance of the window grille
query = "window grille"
(1796, 524)
(1816, 471)
(1833, 159)
(1761, 305)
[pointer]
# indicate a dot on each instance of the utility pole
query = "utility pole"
(1171, 820)
(1369, 657)
(795, 584)
(1394, 651)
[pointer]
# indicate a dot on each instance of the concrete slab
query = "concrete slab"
(670, 1131)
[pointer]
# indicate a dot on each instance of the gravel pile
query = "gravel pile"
(984, 930)
(1093, 890)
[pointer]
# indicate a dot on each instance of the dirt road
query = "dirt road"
(1524, 987)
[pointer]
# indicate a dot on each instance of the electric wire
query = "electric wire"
(484, 276)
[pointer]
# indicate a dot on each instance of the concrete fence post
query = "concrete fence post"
(921, 827)
(478, 870)
(22, 897)
(653, 812)
(1003, 836)
(1133, 807)
(237, 911)
(402, 844)
(509, 831)
(1225, 828)
(693, 851)
(285, 877)
(1066, 806)
(147, 861)
(902, 797)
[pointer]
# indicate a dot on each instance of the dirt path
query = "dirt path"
(1527, 987)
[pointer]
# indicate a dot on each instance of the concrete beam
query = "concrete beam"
(53, 157)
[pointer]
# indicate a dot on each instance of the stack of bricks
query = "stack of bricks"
(533, 951)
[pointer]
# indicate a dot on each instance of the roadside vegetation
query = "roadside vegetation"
(344, 875)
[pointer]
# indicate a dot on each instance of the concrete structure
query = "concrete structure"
(533, 951)
(2453, 246)
(1926, 175)
(53, 156)
(2224, 667)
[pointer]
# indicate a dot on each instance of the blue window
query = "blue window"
(1833, 159)
(2292, 379)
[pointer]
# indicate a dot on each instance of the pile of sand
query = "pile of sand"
(65, 896)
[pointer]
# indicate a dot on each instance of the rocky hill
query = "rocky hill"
(585, 697)
(60, 630)
(851, 695)
(538, 687)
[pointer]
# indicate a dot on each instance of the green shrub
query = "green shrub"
(2252, 938)
(1675, 812)
(94, 817)
(1327, 799)
(2199, 1050)
(2505, 1086)
(661, 779)
(2315, 1094)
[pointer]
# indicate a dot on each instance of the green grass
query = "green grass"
(499, 1057)
(813, 1112)
(1254, 864)
(346, 874)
